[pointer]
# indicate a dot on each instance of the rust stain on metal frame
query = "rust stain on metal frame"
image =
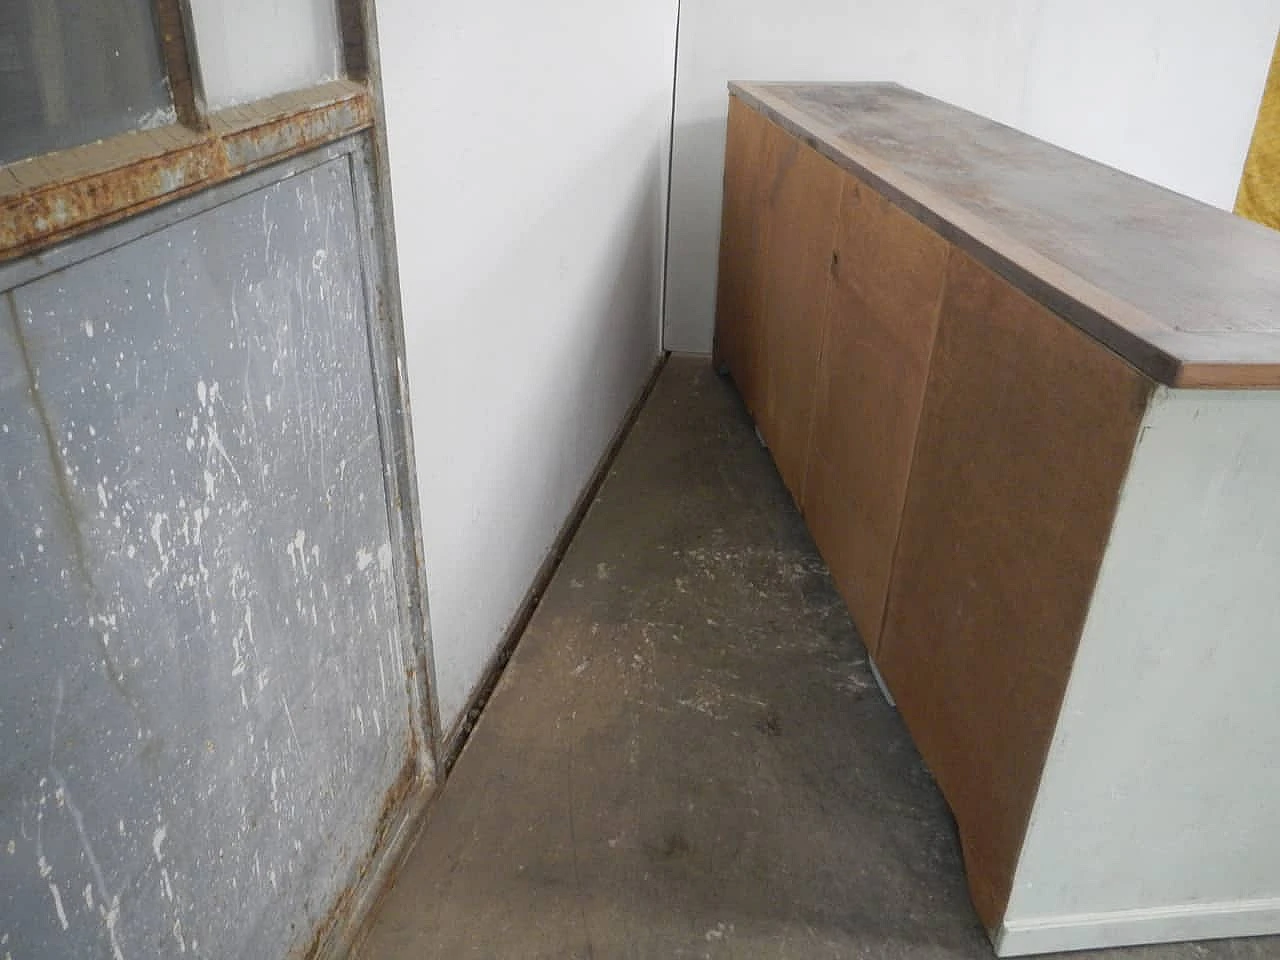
(175, 32)
(339, 916)
(52, 198)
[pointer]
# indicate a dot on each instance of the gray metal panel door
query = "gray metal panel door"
(203, 693)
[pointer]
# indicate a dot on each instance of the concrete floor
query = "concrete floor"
(687, 755)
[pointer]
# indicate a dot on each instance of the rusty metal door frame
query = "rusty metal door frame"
(359, 29)
(62, 208)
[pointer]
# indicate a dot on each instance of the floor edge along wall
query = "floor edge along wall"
(456, 739)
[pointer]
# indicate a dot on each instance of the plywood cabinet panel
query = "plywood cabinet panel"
(803, 197)
(1026, 435)
(888, 272)
(778, 303)
(740, 297)
(825, 319)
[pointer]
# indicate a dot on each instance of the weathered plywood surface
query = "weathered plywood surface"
(826, 315)
(802, 194)
(1186, 292)
(203, 697)
(882, 314)
(782, 208)
(740, 295)
(1025, 438)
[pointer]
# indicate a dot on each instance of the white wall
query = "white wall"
(1165, 89)
(528, 149)
(247, 49)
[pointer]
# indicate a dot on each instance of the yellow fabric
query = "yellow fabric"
(1259, 194)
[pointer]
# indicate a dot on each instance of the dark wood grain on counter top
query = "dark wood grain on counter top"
(1187, 293)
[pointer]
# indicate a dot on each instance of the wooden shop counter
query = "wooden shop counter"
(1030, 409)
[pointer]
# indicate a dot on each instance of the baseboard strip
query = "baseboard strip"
(1090, 931)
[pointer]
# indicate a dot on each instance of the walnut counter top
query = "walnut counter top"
(1187, 293)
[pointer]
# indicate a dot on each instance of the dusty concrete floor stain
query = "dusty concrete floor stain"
(687, 755)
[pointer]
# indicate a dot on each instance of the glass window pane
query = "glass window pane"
(74, 71)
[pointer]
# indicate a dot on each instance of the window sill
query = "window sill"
(50, 198)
